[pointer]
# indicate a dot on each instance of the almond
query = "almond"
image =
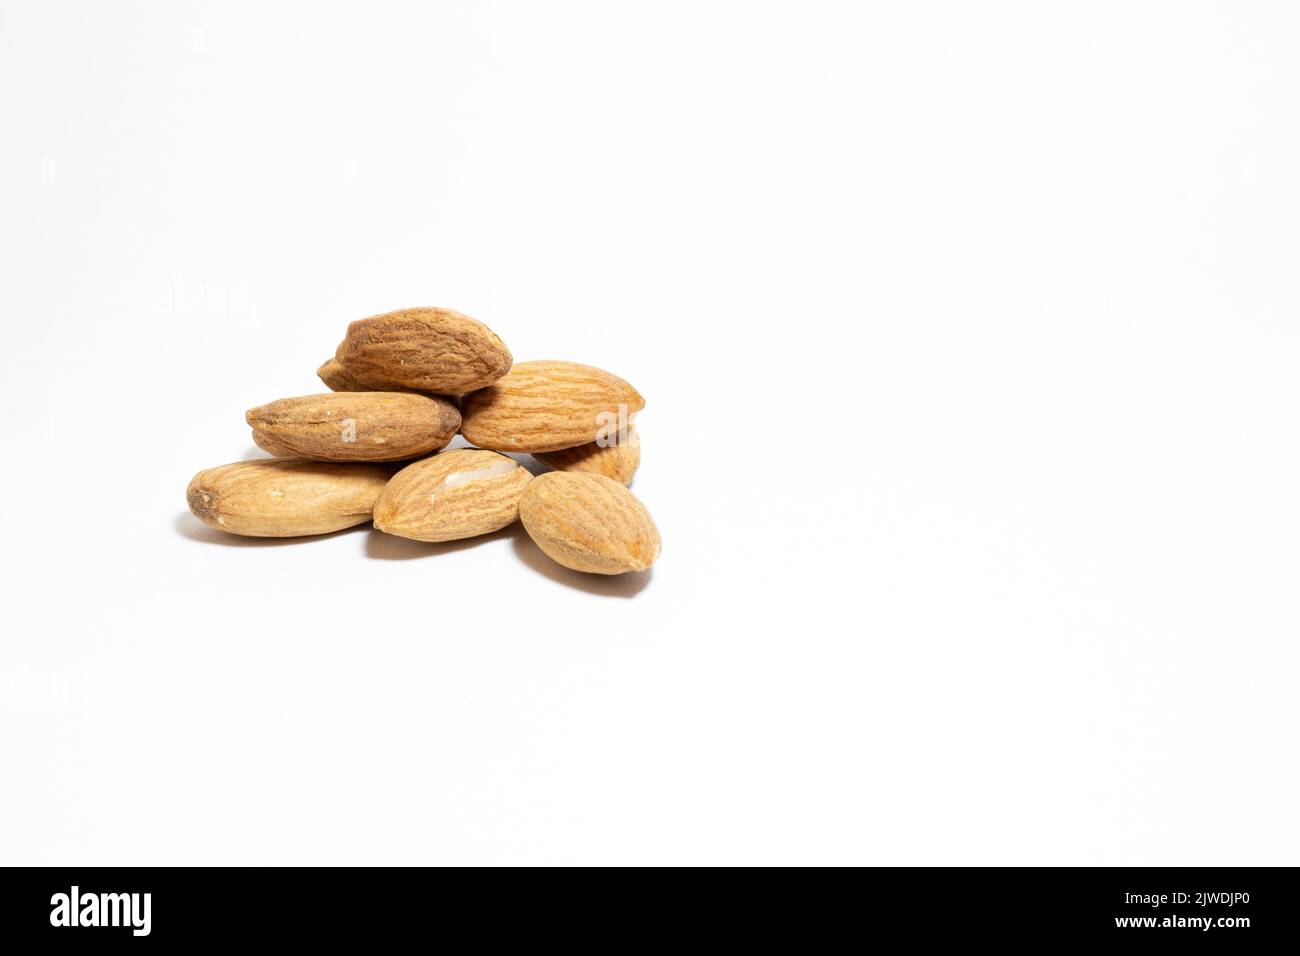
(355, 426)
(285, 497)
(546, 406)
(589, 523)
(619, 460)
(339, 379)
(433, 350)
(458, 494)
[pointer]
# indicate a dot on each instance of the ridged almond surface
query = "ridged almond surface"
(339, 379)
(618, 461)
(457, 494)
(355, 426)
(433, 350)
(589, 523)
(285, 497)
(545, 406)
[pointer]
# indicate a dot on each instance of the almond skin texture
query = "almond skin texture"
(355, 426)
(432, 350)
(339, 379)
(458, 494)
(589, 523)
(285, 497)
(619, 461)
(546, 406)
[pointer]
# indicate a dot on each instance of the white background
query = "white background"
(969, 339)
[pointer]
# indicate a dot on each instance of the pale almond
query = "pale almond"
(548, 405)
(589, 523)
(355, 426)
(457, 494)
(285, 497)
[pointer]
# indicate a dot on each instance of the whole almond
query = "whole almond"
(457, 494)
(589, 523)
(546, 406)
(433, 350)
(618, 460)
(355, 426)
(285, 497)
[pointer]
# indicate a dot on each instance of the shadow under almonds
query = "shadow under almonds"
(188, 526)
(390, 547)
(611, 585)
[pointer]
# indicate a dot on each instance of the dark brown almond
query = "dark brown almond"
(433, 350)
(355, 426)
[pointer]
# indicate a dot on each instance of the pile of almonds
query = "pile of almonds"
(402, 385)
